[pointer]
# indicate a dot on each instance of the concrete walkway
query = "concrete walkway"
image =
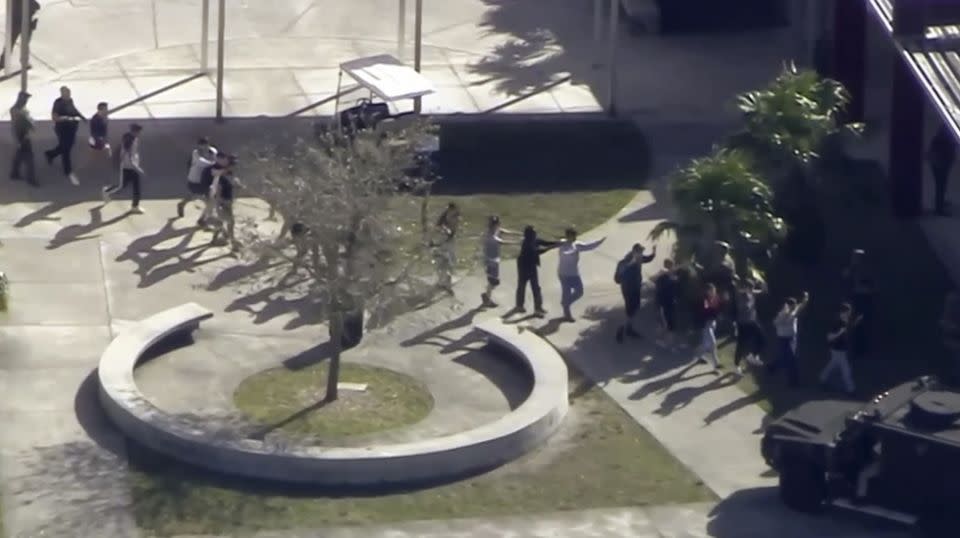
(283, 56)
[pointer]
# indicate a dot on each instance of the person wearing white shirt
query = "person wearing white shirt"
(131, 172)
(202, 157)
(568, 269)
(785, 324)
(492, 241)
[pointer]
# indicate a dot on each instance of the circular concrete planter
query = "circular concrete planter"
(430, 460)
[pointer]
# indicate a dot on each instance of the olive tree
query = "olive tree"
(356, 225)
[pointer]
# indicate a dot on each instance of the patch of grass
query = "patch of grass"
(600, 458)
(549, 212)
(292, 401)
(910, 286)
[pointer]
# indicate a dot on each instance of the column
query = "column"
(906, 142)
(850, 44)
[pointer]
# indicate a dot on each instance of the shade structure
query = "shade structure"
(388, 78)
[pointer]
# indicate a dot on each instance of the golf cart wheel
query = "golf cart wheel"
(803, 486)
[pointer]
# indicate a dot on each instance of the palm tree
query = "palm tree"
(794, 123)
(721, 198)
(791, 121)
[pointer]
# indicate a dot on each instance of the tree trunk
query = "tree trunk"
(333, 371)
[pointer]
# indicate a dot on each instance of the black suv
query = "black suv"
(898, 456)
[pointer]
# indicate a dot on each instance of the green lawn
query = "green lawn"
(910, 288)
(289, 401)
(601, 458)
(549, 213)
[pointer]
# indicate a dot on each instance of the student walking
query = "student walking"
(22, 125)
(749, 334)
(629, 275)
(568, 269)
(208, 177)
(492, 242)
(666, 298)
(785, 324)
(447, 226)
(839, 338)
(222, 193)
(98, 140)
(528, 263)
(131, 172)
(202, 157)
(709, 312)
(66, 120)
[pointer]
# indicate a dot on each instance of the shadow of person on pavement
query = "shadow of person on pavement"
(682, 397)
(267, 304)
(45, 213)
(79, 232)
(142, 251)
(309, 357)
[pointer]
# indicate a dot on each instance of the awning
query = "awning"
(934, 59)
(388, 78)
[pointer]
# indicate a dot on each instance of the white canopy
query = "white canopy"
(388, 78)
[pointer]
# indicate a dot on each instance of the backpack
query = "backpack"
(618, 274)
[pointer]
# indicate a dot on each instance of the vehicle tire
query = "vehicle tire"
(803, 486)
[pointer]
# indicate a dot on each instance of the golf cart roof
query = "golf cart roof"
(388, 78)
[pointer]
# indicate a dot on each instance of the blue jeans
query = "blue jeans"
(787, 358)
(571, 289)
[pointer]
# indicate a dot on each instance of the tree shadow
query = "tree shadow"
(309, 357)
(260, 434)
(79, 232)
(435, 336)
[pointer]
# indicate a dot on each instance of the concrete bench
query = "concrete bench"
(428, 460)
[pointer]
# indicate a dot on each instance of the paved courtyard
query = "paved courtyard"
(283, 56)
(80, 271)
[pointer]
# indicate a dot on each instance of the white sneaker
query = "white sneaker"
(136, 210)
(105, 193)
(740, 369)
(73, 179)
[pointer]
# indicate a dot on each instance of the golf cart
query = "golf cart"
(388, 83)
(897, 456)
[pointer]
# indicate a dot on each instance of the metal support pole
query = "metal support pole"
(612, 57)
(417, 46)
(8, 39)
(598, 20)
(24, 45)
(205, 37)
(401, 28)
(221, 31)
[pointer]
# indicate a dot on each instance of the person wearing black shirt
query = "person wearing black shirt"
(22, 126)
(98, 129)
(941, 156)
(221, 192)
(528, 263)
(66, 120)
(839, 338)
(666, 296)
(629, 275)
